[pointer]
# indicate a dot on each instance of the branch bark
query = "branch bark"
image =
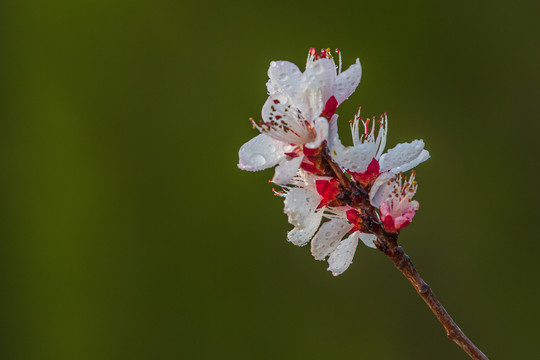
(387, 243)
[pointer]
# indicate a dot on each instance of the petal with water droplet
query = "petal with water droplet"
(327, 238)
(261, 152)
(284, 78)
(368, 240)
(299, 204)
(347, 81)
(342, 257)
(379, 189)
(301, 236)
(404, 157)
(286, 170)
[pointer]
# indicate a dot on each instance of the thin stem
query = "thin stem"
(388, 245)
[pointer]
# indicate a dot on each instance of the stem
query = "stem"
(338, 173)
(387, 243)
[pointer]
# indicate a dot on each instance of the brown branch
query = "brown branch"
(388, 245)
(338, 173)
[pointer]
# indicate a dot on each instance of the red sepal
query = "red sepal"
(369, 176)
(310, 152)
(328, 189)
(330, 108)
(354, 217)
(309, 167)
(388, 223)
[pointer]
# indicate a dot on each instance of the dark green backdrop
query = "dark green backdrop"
(127, 232)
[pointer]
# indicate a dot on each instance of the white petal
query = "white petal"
(270, 107)
(404, 157)
(286, 170)
(333, 137)
(355, 158)
(320, 74)
(334, 143)
(316, 87)
(262, 152)
(380, 188)
(342, 257)
(284, 77)
(299, 206)
(347, 82)
(368, 239)
(300, 236)
(321, 129)
(328, 237)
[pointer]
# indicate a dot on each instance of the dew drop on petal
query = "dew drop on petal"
(283, 77)
(257, 160)
(271, 148)
(273, 64)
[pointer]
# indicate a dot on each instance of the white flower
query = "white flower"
(366, 146)
(296, 113)
(397, 207)
(365, 160)
(302, 206)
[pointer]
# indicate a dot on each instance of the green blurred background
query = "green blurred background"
(127, 231)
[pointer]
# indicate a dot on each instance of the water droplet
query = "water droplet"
(271, 148)
(283, 77)
(257, 160)
(273, 64)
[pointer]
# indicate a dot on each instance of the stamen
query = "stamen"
(339, 53)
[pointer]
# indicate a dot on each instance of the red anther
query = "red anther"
(337, 50)
(312, 51)
(276, 101)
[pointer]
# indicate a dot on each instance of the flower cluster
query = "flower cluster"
(334, 195)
